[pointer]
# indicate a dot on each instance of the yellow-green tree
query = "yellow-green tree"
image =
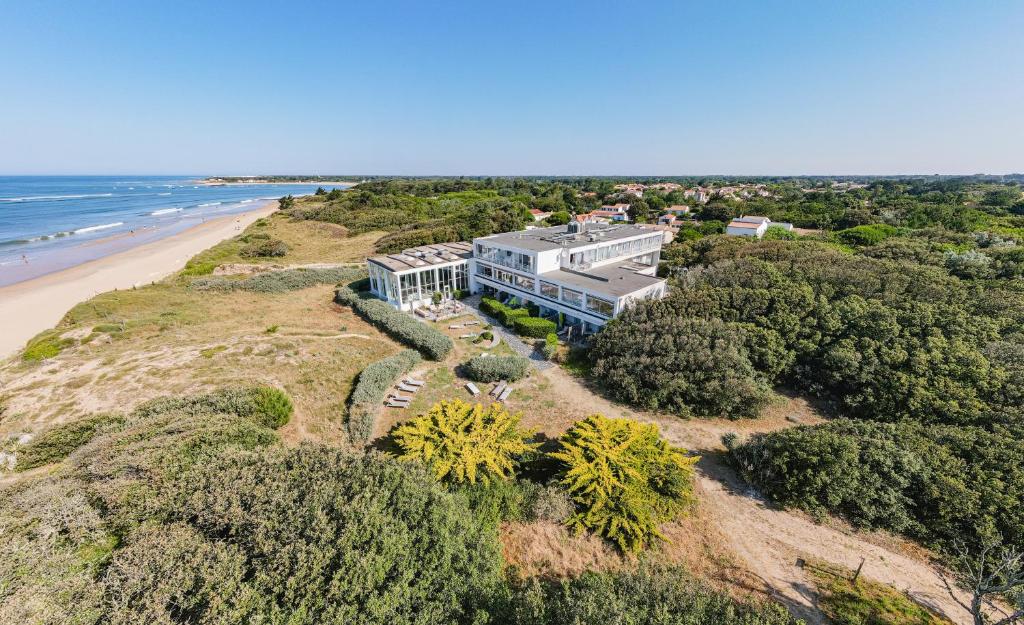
(624, 478)
(460, 442)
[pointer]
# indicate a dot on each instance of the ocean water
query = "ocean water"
(49, 223)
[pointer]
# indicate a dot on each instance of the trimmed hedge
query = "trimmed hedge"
(493, 368)
(504, 314)
(279, 281)
(533, 327)
(550, 345)
(264, 405)
(369, 391)
(400, 326)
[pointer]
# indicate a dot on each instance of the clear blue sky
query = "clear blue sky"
(661, 88)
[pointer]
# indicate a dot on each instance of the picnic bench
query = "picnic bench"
(474, 391)
(505, 393)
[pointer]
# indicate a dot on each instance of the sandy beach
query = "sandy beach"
(27, 308)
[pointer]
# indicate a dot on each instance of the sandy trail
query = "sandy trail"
(768, 541)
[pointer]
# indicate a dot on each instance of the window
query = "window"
(410, 291)
(523, 282)
(574, 298)
(549, 290)
(600, 306)
(444, 278)
(461, 279)
(428, 282)
(484, 270)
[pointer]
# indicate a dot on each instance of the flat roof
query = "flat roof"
(614, 280)
(558, 237)
(425, 256)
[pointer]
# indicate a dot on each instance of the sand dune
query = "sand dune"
(29, 307)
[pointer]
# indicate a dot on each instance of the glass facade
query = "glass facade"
(417, 285)
(622, 249)
(573, 298)
(549, 290)
(600, 306)
(505, 258)
(516, 280)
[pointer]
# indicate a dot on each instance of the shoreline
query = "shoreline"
(237, 183)
(31, 306)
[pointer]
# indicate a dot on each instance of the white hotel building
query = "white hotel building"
(582, 274)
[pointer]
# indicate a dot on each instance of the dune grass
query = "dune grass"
(865, 602)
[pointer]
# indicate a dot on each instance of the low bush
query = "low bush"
(373, 383)
(865, 602)
(533, 327)
(278, 281)
(109, 328)
(264, 248)
(400, 326)
(263, 405)
(259, 534)
(493, 368)
(45, 346)
(653, 593)
(58, 442)
(550, 345)
(871, 234)
(625, 479)
(460, 442)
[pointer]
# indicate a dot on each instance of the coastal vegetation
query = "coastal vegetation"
(625, 479)
(249, 492)
(488, 368)
(371, 386)
(465, 443)
(428, 340)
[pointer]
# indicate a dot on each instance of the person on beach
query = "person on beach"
(24, 258)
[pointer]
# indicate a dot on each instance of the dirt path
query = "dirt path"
(766, 540)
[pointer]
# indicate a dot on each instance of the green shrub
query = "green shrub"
(464, 443)
(278, 281)
(938, 484)
(493, 368)
(533, 327)
(264, 405)
(130, 472)
(654, 593)
(373, 383)
(550, 345)
(660, 360)
(872, 234)
(264, 248)
(45, 346)
(109, 328)
(504, 314)
(58, 442)
(320, 536)
(624, 478)
(428, 340)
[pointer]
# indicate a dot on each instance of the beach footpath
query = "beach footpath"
(27, 308)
